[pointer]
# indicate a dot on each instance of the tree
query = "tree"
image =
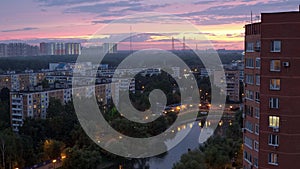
(53, 149)
(3, 149)
(82, 158)
(4, 94)
(45, 84)
(55, 108)
(192, 160)
(10, 147)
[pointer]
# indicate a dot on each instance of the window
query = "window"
(275, 84)
(273, 140)
(249, 110)
(255, 162)
(256, 146)
(250, 47)
(258, 45)
(248, 142)
(276, 46)
(257, 79)
(249, 63)
(249, 126)
(273, 158)
(257, 97)
(249, 94)
(274, 103)
(257, 129)
(248, 157)
(257, 63)
(256, 112)
(274, 121)
(249, 79)
(275, 65)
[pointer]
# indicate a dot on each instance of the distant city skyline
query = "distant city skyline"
(35, 21)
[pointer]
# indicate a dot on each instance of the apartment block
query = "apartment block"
(21, 49)
(3, 50)
(34, 104)
(21, 82)
(231, 82)
(272, 77)
(60, 48)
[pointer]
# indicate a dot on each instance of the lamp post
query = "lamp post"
(54, 161)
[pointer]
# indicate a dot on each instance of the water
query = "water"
(191, 141)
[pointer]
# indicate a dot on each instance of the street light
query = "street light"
(54, 161)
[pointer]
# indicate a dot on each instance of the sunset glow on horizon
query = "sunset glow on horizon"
(34, 21)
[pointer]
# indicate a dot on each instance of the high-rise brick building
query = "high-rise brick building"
(272, 97)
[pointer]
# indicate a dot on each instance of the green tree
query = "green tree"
(45, 84)
(4, 94)
(11, 148)
(82, 158)
(53, 149)
(192, 160)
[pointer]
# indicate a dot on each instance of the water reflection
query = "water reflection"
(191, 141)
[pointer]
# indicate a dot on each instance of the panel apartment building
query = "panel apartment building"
(34, 104)
(272, 77)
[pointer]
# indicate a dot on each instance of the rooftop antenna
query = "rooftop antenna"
(130, 39)
(251, 21)
(173, 46)
(183, 45)
(251, 18)
(258, 18)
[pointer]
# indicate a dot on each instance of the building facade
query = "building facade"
(21, 82)
(34, 104)
(272, 75)
(110, 47)
(18, 49)
(60, 48)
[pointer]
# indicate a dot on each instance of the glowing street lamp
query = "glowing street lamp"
(54, 161)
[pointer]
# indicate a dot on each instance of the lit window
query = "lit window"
(274, 103)
(276, 46)
(274, 121)
(257, 63)
(273, 140)
(250, 47)
(275, 65)
(275, 84)
(273, 158)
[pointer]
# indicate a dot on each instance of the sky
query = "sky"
(220, 21)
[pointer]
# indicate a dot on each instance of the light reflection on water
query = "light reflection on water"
(191, 141)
